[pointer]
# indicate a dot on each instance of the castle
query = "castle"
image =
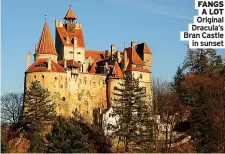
(83, 79)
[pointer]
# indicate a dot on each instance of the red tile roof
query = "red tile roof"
(95, 55)
(70, 63)
(131, 68)
(93, 68)
(117, 73)
(144, 48)
(133, 56)
(78, 33)
(36, 66)
(46, 45)
(70, 15)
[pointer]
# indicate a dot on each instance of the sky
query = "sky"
(105, 22)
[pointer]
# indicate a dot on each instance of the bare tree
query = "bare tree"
(11, 107)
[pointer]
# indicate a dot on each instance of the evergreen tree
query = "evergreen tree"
(132, 112)
(38, 108)
(67, 137)
(72, 135)
(39, 111)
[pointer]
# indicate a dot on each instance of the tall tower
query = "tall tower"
(69, 38)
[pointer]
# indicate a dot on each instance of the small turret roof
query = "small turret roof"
(46, 45)
(70, 14)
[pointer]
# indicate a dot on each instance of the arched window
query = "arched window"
(43, 76)
(63, 98)
(35, 76)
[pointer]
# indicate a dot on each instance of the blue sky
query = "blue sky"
(105, 22)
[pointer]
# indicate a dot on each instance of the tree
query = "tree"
(67, 137)
(72, 135)
(39, 111)
(203, 89)
(11, 107)
(38, 108)
(131, 108)
(168, 108)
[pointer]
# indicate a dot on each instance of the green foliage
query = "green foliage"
(37, 144)
(75, 136)
(67, 137)
(130, 106)
(38, 108)
(4, 147)
(38, 112)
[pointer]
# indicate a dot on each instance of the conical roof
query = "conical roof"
(46, 45)
(117, 72)
(70, 15)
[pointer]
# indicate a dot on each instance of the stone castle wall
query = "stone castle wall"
(84, 92)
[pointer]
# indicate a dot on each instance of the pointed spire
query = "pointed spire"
(70, 14)
(46, 45)
(117, 72)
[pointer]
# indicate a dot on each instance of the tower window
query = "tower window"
(63, 98)
(140, 76)
(43, 76)
(35, 76)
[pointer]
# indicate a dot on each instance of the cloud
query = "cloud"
(154, 7)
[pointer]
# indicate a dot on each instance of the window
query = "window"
(55, 78)
(62, 86)
(115, 88)
(140, 76)
(35, 76)
(63, 98)
(71, 52)
(78, 53)
(43, 76)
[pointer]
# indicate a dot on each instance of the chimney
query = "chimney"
(118, 56)
(74, 42)
(65, 63)
(132, 44)
(112, 49)
(106, 53)
(106, 68)
(49, 64)
(67, 39)
(28, 60)
(36, 46)
(125, 60)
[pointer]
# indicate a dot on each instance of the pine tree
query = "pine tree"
(38, 108)
(132, 111)
(39, 111)
(67, 137)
